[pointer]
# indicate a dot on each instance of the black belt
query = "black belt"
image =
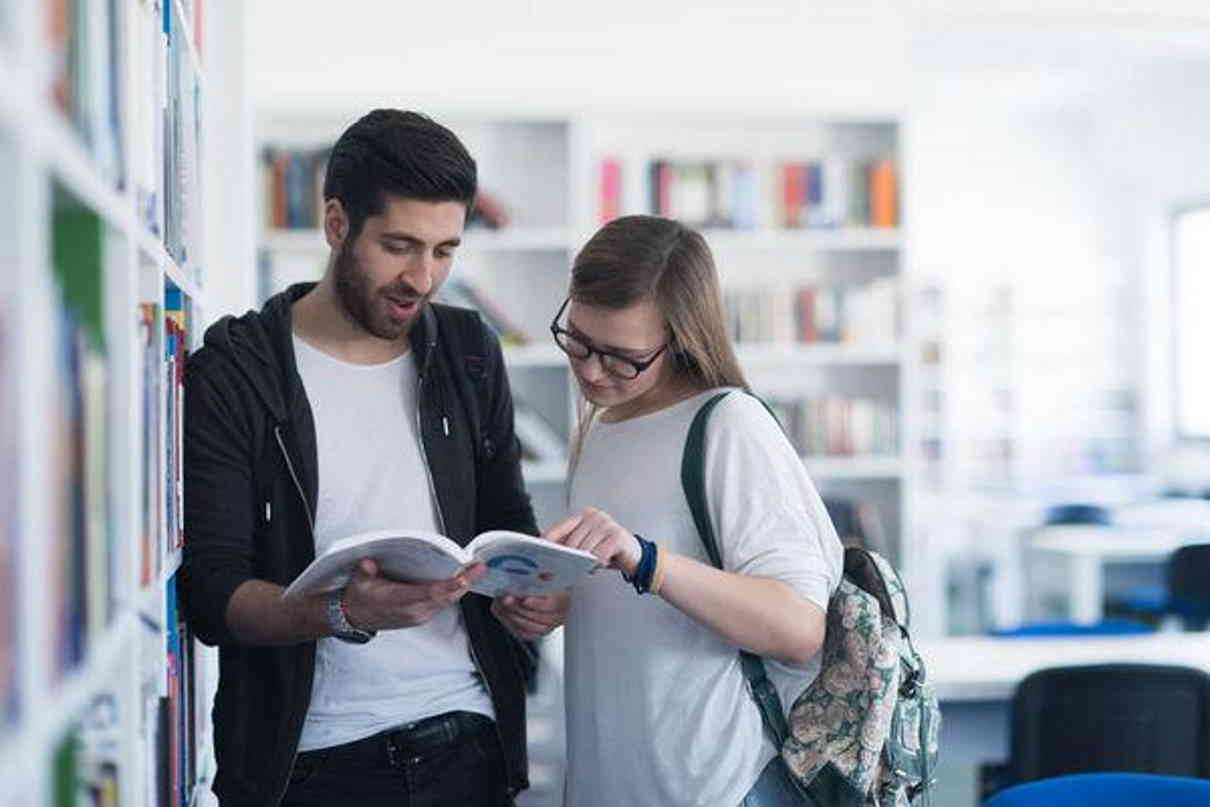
(411, 740)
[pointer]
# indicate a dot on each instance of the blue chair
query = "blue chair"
(1189, 585)
(1107, 790)
(1185, 595)
(1077, 514)
(1120, 718)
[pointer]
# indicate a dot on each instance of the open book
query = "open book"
(516, 563)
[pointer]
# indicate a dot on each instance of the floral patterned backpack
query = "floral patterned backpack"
(864, 733)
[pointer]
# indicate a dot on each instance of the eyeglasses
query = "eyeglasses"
(581, 349)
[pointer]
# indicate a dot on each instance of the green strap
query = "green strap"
(693, 481)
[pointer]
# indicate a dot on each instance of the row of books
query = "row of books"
(835, 426)
(179, 748)
(182, 153)
(853, 314)
(747, 195)
(88, 47)
(88, 762)
(293, 185)
(293, 180)
(83, 48)
(83, 555)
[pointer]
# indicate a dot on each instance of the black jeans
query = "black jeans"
(451, 760)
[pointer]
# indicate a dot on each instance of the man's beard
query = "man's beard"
(363, 302)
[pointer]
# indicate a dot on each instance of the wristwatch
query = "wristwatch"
(341, 627)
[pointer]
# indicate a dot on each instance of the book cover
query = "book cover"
(611, 189)
(884, 194)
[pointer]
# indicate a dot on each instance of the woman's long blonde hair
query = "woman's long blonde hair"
(639, 257)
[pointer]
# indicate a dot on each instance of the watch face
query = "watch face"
(355, 636)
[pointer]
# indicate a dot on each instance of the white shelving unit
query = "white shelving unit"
(58, 171)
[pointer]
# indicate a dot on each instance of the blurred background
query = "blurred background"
(965, 249)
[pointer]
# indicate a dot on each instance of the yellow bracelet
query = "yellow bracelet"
(661, 567)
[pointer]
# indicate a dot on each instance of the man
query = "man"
(341, 407)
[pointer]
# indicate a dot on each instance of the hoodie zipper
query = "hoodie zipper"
(297, 484)
(281, 444)
(470, 644)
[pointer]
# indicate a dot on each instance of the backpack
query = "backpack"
(864, 733)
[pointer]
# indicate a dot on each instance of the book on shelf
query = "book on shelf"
(466, 294)
(182, 171)
(151, 439)
(516, 563)
(147, 48)
(835, 426)
(848, 314)
(176, 341)
(610, 206)
(181, 731)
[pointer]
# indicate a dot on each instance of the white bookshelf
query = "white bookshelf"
(98, 697)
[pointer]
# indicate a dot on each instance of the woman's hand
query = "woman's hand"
(595, 531)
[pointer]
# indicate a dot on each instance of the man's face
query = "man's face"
(397, 262)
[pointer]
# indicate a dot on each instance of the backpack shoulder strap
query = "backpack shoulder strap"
(693, 482)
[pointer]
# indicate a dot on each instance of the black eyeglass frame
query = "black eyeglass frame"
(639, 366)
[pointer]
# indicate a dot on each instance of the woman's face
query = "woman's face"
(637, 332)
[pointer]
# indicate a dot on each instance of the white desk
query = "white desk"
(982, 668)
(975, 677)
(1088, 547)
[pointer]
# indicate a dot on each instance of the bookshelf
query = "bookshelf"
(786, 249)
(104, 696)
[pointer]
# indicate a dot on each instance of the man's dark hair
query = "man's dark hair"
(405, 154)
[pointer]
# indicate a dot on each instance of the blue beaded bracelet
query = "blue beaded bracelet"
(645, 571)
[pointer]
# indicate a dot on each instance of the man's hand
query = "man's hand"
(373, 602)
(532, 617)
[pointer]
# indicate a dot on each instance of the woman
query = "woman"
(658, 712)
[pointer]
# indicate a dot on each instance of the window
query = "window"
(1191, 323)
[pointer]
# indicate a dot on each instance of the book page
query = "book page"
(522, 564)
(409, 558)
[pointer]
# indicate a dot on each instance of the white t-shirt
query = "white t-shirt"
(658, 710)
(372, 476)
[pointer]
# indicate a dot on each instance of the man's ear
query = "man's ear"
(336, 223)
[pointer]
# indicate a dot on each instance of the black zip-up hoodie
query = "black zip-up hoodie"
(251, 482)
